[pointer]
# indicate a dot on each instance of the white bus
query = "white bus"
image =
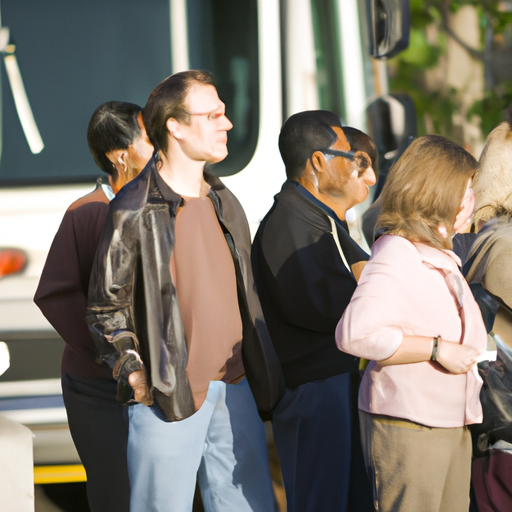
(271, 58)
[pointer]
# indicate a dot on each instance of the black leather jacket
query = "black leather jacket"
(131, 289)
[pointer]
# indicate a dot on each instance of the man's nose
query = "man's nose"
(227, 124)
(369, 177)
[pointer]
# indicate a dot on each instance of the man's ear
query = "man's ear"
(174, 128)
(318, 161)
(362, 160)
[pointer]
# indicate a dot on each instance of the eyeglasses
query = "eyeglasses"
(345, 154)
(211, 116)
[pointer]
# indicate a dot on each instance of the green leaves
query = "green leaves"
(436, 103)
(420, 52)
(491, 108)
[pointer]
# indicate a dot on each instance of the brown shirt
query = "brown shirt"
(204, 273)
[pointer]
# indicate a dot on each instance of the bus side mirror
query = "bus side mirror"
(392, 125)
(389, 22)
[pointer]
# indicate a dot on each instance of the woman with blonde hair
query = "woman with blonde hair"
(487, 269)
(414, 317)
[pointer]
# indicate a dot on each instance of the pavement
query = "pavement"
(44, 504)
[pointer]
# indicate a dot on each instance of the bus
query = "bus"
(271, 58)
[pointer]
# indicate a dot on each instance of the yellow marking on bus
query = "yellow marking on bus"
(59, 474)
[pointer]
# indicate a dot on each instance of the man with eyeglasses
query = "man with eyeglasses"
(306, 268)
(172, 309)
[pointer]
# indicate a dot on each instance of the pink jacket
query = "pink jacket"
(400, 293)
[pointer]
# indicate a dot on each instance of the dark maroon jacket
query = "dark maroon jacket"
(62, 292)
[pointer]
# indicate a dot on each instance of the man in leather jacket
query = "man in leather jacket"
(173, 311)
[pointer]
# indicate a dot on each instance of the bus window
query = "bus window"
(328, 55)
(74, 56)
(223, 39)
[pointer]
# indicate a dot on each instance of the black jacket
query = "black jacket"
(131, 289)
(303, 285)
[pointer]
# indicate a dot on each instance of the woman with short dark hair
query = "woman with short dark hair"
(414, 317)
(119, 145)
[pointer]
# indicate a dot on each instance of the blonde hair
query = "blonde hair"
(424, 189)
(493, 180)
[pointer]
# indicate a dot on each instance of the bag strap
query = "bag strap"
(363, 363)
(334, 234)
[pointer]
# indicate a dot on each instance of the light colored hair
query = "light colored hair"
(493, 179)
(424, 189)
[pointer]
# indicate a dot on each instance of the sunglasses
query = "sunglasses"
(345, 154)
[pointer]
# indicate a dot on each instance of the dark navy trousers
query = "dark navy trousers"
(316, 432)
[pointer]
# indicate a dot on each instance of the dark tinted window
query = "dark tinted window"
(74, 55)
(223, 39)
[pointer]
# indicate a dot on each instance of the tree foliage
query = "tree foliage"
(436, 104)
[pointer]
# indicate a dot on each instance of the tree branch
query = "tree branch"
(445, 13)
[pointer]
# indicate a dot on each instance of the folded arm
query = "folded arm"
(386, 300)
(452, 356)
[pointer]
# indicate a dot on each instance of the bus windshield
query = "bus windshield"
(73, 56)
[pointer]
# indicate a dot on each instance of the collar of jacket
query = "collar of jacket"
(175, 199)
(480, 251)
(296, 197)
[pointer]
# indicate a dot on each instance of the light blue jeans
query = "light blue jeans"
(223, 443)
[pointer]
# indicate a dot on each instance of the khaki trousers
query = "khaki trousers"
(415, 468)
